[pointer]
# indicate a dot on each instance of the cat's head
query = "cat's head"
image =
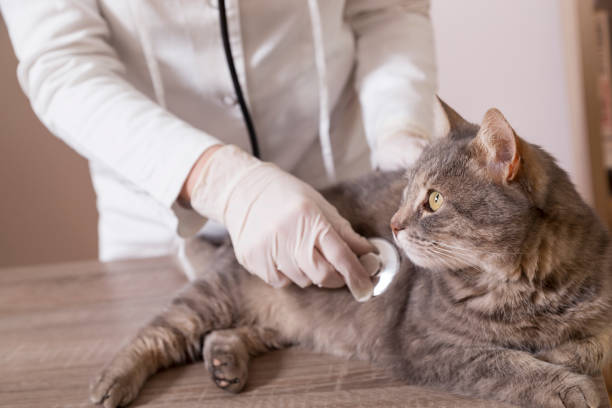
(474, 197)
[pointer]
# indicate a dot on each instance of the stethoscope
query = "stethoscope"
(237, 88)
(387, 257)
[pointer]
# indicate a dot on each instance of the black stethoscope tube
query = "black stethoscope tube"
(237, 88)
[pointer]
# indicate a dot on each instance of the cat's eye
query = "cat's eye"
(435, 200)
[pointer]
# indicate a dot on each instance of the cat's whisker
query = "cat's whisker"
(454, 247)
(452, 252)
(466, 256)
(442, 258)
(454, 256)
(447, 256)
(471, 251)
(467, 259)
(432, 252)
(444, 244)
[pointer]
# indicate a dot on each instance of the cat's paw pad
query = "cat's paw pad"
(227, 364)
(228, 371)
(112, 390)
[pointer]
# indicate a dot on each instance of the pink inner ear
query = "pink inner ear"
(507, 151)
(501, 144)
(503, 147)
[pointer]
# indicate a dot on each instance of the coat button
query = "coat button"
(213, 3)
(229, 100)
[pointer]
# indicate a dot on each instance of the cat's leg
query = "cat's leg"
(227, 352)
(503, 374)
(585, 356)
(173, 337)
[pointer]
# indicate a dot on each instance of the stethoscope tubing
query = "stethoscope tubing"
(237, 88)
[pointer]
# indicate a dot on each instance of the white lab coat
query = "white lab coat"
(141, 88)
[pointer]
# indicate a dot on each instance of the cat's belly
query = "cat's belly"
(324, 320)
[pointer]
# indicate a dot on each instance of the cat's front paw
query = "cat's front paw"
(570, 390)
(114, 388)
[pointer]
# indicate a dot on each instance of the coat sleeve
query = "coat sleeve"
(76, 86)
(396, 76)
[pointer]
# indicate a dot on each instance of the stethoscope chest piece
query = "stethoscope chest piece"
(382, 266)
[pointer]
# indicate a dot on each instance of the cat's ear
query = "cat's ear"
(497, 147)
(448, 123)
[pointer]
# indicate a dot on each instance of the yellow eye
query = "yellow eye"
(435, 200)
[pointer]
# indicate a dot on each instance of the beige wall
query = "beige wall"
(517, 56)
(47, 207)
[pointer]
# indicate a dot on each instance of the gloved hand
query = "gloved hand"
(281, 228)
(398, 150)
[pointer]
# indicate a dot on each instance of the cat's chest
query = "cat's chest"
(443, 320)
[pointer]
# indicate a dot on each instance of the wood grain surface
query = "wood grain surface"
(59, 324)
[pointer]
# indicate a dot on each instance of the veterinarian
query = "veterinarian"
(182, 106)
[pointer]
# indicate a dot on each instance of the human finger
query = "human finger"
(342, 258)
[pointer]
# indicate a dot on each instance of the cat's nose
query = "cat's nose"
(399, 221)
(396, 224)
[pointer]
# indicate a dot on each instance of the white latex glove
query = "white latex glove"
(398, 150)
(281, 228)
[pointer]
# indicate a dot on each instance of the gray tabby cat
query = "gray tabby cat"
(508, 295)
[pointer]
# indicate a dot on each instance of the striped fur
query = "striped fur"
(527, 320)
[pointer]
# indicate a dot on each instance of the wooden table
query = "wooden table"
(59, 324)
